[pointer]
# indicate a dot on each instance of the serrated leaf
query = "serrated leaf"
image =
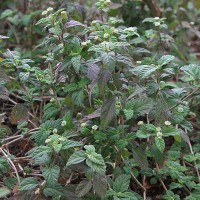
(19, 114)
(145, 71)
(100, 185)
(73, 23)
(4, 192)
(83, 188)
(165, 60)
(140, 157)
(108, 111)
(121, 183)
(70, 143)
(51, 174)
(93, 72)
(76, 62)
(28, 184)
(76, 157)
(53, 190)
(160, 144)
(4, 166)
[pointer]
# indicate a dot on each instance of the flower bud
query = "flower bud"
(167, 123)
(55, 131)
(64, 15)
(95, 127)
(140, 123)
(63, 123)
(50, 9)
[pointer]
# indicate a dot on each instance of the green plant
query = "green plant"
(108, 112)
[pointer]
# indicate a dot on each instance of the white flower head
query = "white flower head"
(180, 109)
(83, 43)
(156, 18)
(138, 62)
(106, 35)
(50, 9)
(159, 134)
(140, 123)
(48, 140)
(44, 12)
(96, 37)
(115, 31)
(55, 130)
(167, 123)
(158, 129)
(94, 127)
(52, 100)
(63, 123)
(157, 23)
(83, 125)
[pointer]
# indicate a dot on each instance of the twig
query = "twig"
(133, 176)
(184, 98)
(192, 152)
(161, 181)
(11, 163)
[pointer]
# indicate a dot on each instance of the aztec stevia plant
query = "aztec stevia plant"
(105, 112)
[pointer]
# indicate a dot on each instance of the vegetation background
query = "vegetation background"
(100, 99)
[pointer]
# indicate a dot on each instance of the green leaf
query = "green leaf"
(165, 60)
(108, 113)
(70, 143)
(160, 144)
(4, 166)
(76, 62)
(28, 184)
(76, 157)
(51, 174)
(83, 188)
(4, 192)
(100, 185)
(121, 183)
(53, 190)
(145, 71)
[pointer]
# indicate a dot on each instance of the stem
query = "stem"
(12, 164)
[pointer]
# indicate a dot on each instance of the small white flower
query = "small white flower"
(94, 22)
(96, 38)
(83, 43)
(158, 129)
(138, 62)
(61, 139)
(44, 12)
(48, 140)
(52, 100)
(140, 123)
(159, 134)
(157, 23)
(115, 31)
(63, 123)
(180, 109)
(130, 29)
(108, 1)
(95, 127)
(192, 23)
(167, 123)
(106, 35)
(50, 9)
(83, 125)
(156, 18)
(185, 103)
(55, 130)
